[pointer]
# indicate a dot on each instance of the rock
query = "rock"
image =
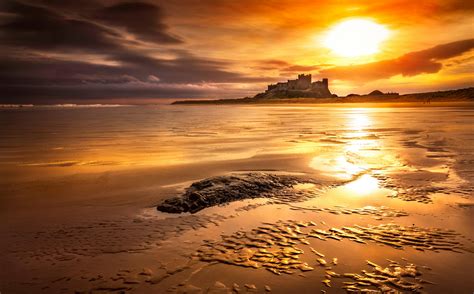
(223, 189)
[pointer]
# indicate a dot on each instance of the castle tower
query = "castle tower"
(303, 82)
(326, 83)
(304, 77)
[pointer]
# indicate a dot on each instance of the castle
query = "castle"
(301, 87)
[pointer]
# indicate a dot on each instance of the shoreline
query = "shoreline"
(379, 104)
(440, 98)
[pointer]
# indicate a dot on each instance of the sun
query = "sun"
(356, 37)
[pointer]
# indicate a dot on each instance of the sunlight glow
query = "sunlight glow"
(364, 185)
(356, 37)
(359, 121)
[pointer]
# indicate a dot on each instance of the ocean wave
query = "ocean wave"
(70, 163)
(66, 105)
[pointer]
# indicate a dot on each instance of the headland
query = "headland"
(304, 91)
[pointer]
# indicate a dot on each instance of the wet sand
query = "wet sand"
(389, 208)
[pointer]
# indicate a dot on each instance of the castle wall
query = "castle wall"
(291, 85)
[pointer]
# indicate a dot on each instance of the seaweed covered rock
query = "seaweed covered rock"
(223, 189)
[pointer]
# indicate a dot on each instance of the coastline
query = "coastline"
(460, 97)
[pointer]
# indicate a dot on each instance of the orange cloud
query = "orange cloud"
(410, 64)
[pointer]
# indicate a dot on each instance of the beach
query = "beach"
(380, 198)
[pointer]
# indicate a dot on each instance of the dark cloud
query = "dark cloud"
(82, 24)
(300, 68)
(38, 27)
(274, 62)
(144, 20)
(284, 67)
(410, 64)
(137, 77)
(46, 47)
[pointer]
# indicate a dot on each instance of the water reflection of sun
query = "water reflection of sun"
(359, 147)
(359, 120)
(361, 144)
(363, 186)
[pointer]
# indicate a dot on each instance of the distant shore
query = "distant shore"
(440, 98)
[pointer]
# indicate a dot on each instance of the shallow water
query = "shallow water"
(79, 187)
(163, 135)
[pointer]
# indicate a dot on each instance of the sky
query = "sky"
(141, 51)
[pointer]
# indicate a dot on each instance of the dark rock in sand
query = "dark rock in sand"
(223, 189)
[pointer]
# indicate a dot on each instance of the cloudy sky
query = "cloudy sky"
(137, 51)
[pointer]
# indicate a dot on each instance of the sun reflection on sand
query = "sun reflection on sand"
(339, 167)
